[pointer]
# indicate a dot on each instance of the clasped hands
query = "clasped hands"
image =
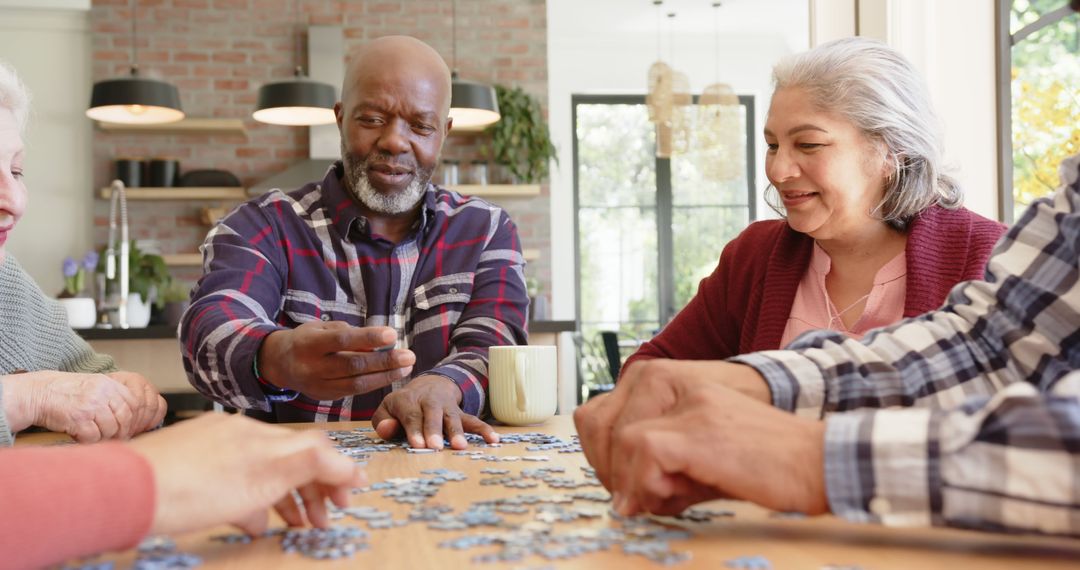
(333, 360)
(676, 433)
(88, 407)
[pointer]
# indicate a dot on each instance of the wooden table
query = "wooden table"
(796, 544)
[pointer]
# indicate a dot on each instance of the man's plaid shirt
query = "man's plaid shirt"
(454, 287)
(989, 436)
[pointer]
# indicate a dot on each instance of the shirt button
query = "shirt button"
(453, 290)
(395, 309)
(325, 317)
(880, 506)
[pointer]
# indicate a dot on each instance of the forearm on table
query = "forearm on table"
(105, 493)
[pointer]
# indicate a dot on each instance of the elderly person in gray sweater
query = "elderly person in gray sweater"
(49, 377)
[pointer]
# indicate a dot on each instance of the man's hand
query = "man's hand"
(222, 468)
(426, 408)
(646, 390)
(332, 360)
(715, 442)
(88, 407)
(673, 434)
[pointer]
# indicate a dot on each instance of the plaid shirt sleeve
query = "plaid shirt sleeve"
(230, 309)
(495, 314)
(990, 437)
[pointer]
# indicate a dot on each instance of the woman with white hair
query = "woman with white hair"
(62, 503)
(50, 377)
(873, 231)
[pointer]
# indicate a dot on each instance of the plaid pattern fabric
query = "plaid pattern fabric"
(454, 287)
(989, 437)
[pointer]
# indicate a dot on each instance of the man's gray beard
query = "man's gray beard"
(390, 204)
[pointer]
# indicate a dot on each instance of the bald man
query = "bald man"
(371, 294)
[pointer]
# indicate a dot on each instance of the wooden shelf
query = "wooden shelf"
(183, 259)
(181, 193)
(530, 254)
(498, 190)
(181, 127)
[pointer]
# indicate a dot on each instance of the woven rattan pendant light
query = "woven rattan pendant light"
(719, 134)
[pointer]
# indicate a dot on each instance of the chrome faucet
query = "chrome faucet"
(119, 195)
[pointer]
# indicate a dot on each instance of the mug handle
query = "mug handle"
(519, 382)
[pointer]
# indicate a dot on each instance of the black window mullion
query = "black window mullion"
(665, 255)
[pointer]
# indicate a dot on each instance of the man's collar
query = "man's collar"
(344, 212)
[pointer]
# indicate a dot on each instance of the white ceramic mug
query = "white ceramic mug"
(523, 383)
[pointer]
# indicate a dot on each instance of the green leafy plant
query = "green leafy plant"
(520, 139)
(146, 271)
(176, 292)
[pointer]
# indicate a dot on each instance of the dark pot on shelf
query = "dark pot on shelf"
(129, 171)
(174, 311)
(163, 172)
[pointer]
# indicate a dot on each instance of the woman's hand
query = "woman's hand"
(88, 407)
(221, 468)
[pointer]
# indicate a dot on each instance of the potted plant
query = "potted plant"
(147, 274)
(80, 307)
(520, 140)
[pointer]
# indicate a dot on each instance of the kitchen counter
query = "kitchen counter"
(151, 332)
(165, 331)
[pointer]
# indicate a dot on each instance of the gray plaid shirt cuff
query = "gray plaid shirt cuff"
(795, 381)
(879, 466)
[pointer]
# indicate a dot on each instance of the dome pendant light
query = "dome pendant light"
(298, 102)
(473, 106)
(134, 99)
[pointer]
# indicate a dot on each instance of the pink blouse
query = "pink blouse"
(813, 309)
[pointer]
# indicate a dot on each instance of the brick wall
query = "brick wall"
(218, 53)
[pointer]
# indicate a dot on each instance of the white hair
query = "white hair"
(14, 95)
(877, 89)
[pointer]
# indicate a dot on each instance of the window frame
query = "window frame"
(1004, 40)
(664, 199)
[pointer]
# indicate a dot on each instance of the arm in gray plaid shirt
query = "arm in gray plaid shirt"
(990, 437)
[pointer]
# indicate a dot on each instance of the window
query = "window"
(648, 229)
(1039, 71)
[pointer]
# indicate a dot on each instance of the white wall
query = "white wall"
(606, 47)
(952, 44)
(50, 48)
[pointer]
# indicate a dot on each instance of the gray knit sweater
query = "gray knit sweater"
(34, 334)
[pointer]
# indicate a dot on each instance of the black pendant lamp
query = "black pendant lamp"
(473, 106)
(134, 99)
(299, 101)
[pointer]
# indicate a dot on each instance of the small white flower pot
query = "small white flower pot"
(81, 312)
(138, 312)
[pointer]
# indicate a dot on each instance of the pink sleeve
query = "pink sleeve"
(59, 503)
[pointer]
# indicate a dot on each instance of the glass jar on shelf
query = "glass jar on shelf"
(479, 171)
(449, 173)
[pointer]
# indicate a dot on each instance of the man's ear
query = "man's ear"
(338, 114)
(449, 124)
